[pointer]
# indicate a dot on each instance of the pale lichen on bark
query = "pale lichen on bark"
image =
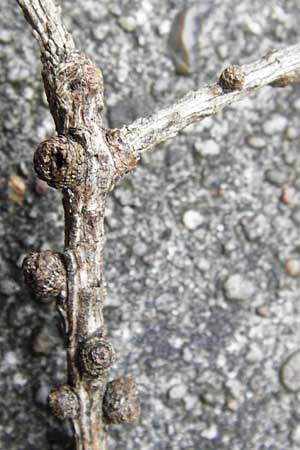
(86, 160)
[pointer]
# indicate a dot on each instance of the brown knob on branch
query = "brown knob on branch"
(96, 356)
(60, 161)
(63, 402)
(232, 78)
(121, 403)
(45, 274)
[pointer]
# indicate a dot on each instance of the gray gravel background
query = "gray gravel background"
(203, 242)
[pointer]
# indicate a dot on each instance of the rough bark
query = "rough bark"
(278, 68)
(74, 89)
(86, 160)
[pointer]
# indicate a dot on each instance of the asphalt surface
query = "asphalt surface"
(203, 241)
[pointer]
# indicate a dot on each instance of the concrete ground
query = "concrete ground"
(203, 241)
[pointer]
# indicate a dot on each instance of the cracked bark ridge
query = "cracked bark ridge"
(121, 403)
(72, 86)
(63, 402)
(45, 274)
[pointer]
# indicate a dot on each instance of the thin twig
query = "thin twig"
(278, 68)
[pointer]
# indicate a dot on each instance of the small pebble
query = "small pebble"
(128, 24)
(5, 36)
(276, 177)
(251, 26)
(210, 433)
(177, 392)
(293, 267)
(140, 248)
(297, 104)
(23, 169)
(222, 51)
(9, 361)
(17, 189)
(100, 32)
(296, 434)
(9, 287)
(165, 302)
(291, 133)
(263, 311)
(192, 219)
(256, 142)
(254, 354)
(256, 228)
(232, 404)
(290, 372)
(187, 355)
(290, 157)
(203, 264)
(207, 148)
(18, 73)
(19, 380)
(287, 195)
(275, 125)
(237, 287)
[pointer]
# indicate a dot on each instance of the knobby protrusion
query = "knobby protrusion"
(75, 91)
(232, 78)
(63, 402)
(121, 403)
(45, 274)
(96, 356)
(61, 162)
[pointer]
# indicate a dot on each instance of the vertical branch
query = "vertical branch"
(85, 161)
(82, 162)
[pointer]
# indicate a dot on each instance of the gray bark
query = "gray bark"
(86, 160)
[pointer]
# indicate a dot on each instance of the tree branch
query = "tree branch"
(44, 17)
(84, 160)
(277, 68)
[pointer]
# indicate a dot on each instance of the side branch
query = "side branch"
(44, 17)
(277, 68)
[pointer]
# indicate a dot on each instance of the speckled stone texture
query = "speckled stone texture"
(203, 240)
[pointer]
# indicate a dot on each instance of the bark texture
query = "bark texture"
(278, 68)
(86, 160)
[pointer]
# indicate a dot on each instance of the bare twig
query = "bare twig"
(277, 68)
(86, 160)
(44, 17)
